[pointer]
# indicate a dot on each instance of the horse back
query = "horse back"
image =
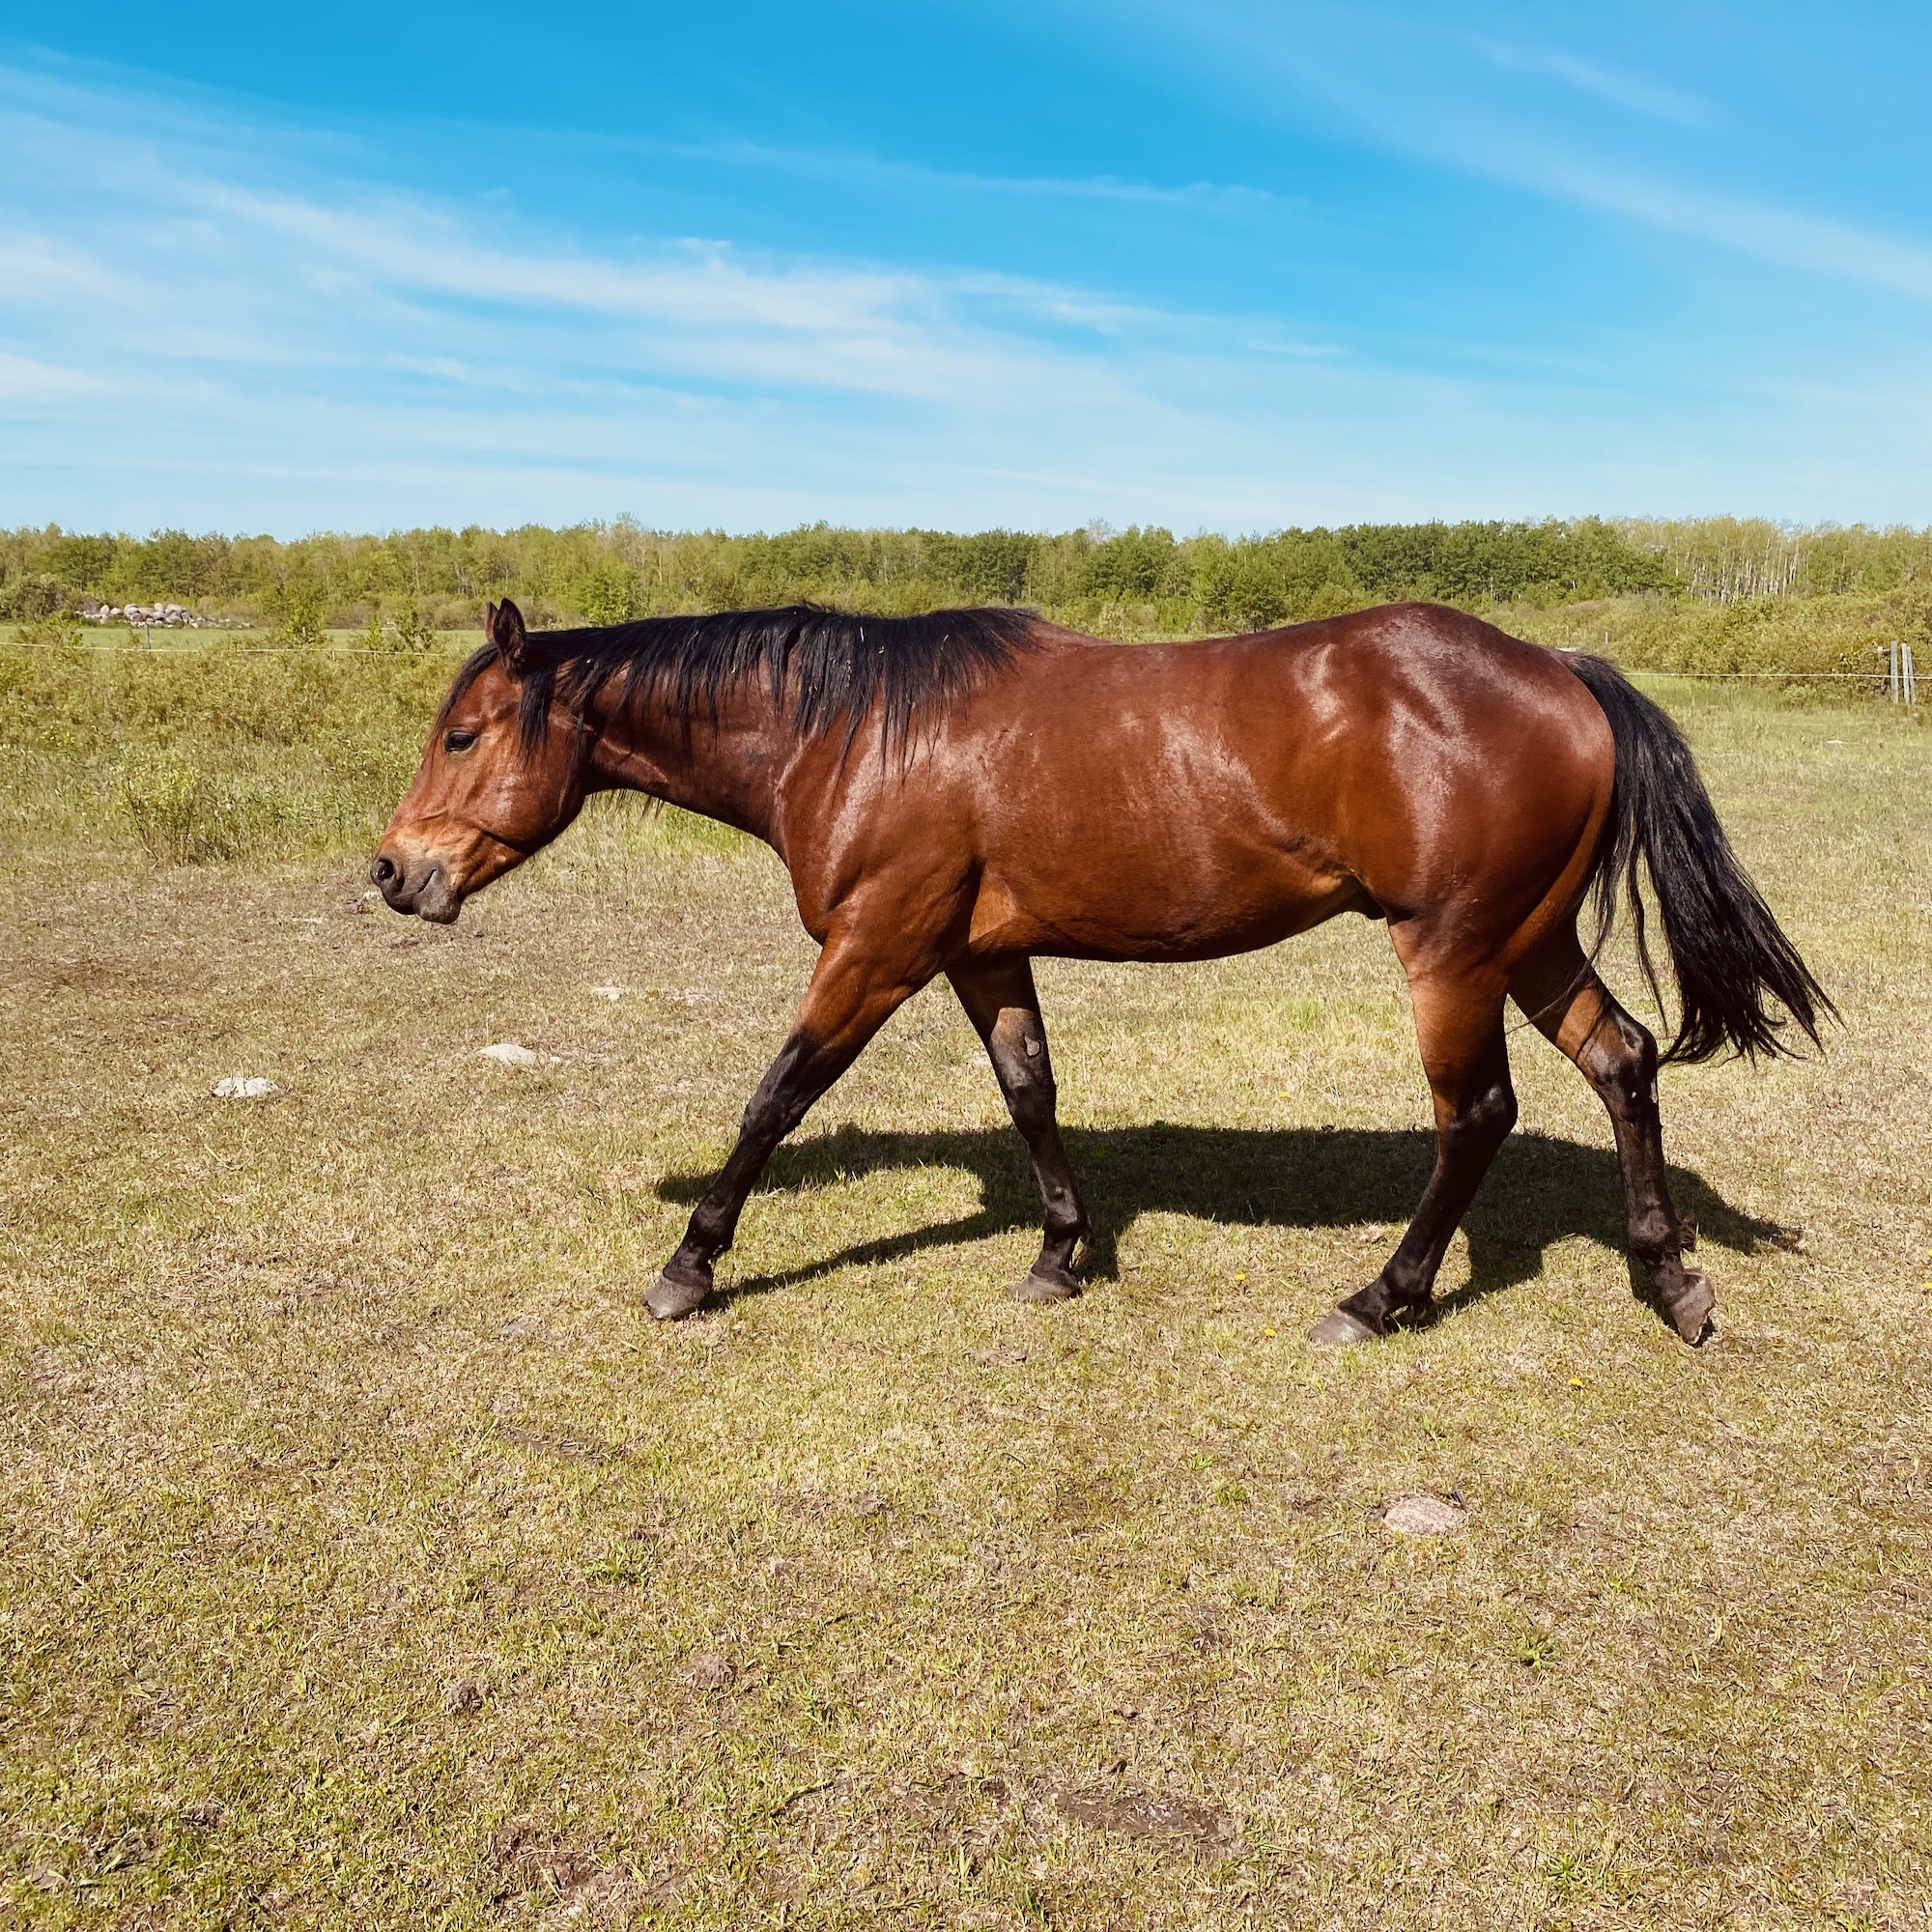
(1187, 800)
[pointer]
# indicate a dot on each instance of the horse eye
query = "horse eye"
(458, 741)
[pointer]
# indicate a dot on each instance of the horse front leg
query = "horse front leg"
(853, 993)
(1001, 1001)
(1458, 1026)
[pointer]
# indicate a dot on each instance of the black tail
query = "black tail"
(1726, 950)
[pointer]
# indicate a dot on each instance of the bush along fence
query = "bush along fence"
(1717, 597)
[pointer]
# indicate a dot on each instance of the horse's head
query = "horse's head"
(499, 780)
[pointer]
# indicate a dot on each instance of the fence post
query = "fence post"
(1911, 682)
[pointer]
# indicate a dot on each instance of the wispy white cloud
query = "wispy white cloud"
(1204, 196)
(1769, 231)
(1413, 89)
(318, 328)
(854, 167)
(185, 237)
(38, 268)
(203, 322)
(1638, 92)
(24, 380)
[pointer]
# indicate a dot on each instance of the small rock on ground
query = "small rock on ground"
(1144, 1814)
(507, 1053)
(708, 1672)
(1425, 1516)
(242, 1087)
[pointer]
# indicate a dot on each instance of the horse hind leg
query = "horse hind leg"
(1559, 989)
(1458, 1026)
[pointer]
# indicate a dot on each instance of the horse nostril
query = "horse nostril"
(383, 872)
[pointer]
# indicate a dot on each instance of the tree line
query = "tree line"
(406, 584)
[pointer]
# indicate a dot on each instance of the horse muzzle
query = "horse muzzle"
(419, 885)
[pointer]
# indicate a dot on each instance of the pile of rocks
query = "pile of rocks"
(91, 610)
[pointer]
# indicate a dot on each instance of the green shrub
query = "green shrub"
(28, 597)
(182, 814)
(56, 631)
(1837, 637)
(299, 606)
(402, 631)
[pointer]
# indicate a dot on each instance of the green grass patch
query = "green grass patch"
(373, 1558)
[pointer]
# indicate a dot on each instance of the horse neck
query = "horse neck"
(726, 769)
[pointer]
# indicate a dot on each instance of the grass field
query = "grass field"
(372, 1559)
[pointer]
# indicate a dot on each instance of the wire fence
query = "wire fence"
(242, 650)
(1897, 677)
(1872, 677)
(1901, 684)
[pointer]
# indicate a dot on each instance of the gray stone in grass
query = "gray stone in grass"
(507, 1053)
(464, 1700)
(242, 1087)
(1144, 1814)
(708, 1672)
(1425, 1516)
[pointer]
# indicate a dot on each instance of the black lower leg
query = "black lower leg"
(803, 1070)
(1004, 1011)
(1619, 1060)
(1018, 1048)
(1465, 1147)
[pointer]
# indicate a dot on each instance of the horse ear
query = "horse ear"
(503, 626)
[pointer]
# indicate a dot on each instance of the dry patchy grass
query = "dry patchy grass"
(372, 1558)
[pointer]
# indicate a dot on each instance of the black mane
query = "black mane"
(835, 666)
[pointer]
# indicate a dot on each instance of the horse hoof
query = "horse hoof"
(1038, 1288)
(1339, 1330)
(1692, 1307)
(669, 1298)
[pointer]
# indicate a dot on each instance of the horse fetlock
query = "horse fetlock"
(1065, 1228)
(707, 1234)
(1063, 1246)
(1073, 1249)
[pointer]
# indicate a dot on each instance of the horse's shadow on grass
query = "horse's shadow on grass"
(1540, 1191)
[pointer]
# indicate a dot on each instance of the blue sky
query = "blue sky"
(1217, 266)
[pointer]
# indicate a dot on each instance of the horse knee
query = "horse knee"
(1488, 1117)
(772, 1117)
(1033, 1100)
(1026, 1074)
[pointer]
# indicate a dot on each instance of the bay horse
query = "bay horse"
(961, 792)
